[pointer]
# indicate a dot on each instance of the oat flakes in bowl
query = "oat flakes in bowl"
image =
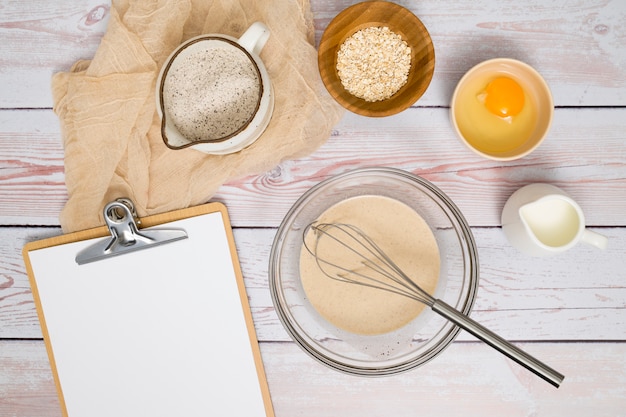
(376, 58)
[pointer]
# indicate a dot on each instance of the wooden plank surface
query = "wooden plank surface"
(40, 38)
(469, 379)
(522, 298)
(576, 46)
(568, 310)
(420, 140)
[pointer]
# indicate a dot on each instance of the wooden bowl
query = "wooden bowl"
(398, 20)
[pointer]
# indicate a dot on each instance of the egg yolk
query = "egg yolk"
(504, 97)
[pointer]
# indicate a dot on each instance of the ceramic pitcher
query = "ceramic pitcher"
(542, 220)
(250, 45)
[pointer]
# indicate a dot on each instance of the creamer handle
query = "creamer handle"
(594, 239)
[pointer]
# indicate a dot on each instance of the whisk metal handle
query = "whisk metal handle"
(529, 362)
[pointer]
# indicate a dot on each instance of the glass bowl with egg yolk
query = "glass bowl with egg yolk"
(354, 344)
(502, 109)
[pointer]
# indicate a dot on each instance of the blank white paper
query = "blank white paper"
(157, 332)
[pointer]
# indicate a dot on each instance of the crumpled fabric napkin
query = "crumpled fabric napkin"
(107, 106)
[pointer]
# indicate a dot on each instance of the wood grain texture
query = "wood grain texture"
(584, 153)
(576, 47)
(26, 383)
(39, 38)
(522, 298)
(567, 310)
(469, 379)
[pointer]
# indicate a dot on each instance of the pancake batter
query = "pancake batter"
(403, 235)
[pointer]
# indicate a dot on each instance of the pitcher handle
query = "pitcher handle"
(255, 37)
(594, 239)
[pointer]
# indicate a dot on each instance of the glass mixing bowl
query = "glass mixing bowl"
(415, 343)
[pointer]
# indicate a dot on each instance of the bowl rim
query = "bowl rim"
(406, 365)
(408, 94)
(498, 62)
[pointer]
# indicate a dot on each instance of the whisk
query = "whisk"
(374, 268)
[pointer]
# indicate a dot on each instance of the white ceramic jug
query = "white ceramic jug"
(202, 47)
(542, 220)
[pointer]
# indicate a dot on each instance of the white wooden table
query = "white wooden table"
(569, 310)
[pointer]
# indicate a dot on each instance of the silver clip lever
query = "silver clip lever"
(125, 235)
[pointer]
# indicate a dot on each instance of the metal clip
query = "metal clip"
(125, 234)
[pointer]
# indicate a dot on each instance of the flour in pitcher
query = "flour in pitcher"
(212, 93)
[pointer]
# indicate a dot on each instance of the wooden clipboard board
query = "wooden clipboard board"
(157, 332)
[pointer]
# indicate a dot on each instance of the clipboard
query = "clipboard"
(162, 331)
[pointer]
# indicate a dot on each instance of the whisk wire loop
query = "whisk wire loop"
(377, 269)
(373, 268)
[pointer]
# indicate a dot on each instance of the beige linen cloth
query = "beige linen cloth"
(107, 106)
